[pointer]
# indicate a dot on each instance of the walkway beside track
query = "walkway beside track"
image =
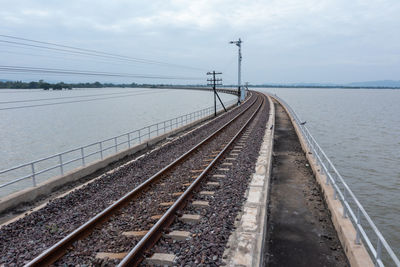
(300, 231)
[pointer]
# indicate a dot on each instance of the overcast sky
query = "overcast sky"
(284, 41)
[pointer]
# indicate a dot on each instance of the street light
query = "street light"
(240, 92)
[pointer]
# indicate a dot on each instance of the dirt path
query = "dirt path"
(300, 231)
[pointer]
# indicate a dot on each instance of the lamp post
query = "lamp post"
(240, 92)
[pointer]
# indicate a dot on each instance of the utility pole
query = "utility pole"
(214, 82)
(240, 92)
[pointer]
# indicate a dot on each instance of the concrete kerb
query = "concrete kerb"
(45, 188)
(357, 255)
(245, 244)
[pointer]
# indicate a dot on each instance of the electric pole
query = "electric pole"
(240, 92)
(214, 82)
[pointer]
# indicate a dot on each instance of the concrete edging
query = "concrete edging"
(357, 255)
(245, 245)
(32, 193)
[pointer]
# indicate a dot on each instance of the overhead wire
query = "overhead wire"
(88, 52)
(65, 56)
(66, 97)
(23, 69)
(79, 101)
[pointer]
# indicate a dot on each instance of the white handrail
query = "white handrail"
(345, 195)
(139, 137)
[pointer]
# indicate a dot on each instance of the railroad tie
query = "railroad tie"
(161, 259)
(230, 158)
(135, 233)
(213, 184)
(179, 235)
(156, 217)
(110, 255)
(166, 204)
(190, 218)
(177, 194)
(219, 176)
(195, 171)
(200, 204)
(207, 193)
(223, 169)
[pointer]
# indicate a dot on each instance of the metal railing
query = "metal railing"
(60, 163)
(352, 208)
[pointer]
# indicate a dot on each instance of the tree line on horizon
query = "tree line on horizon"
(58, 86)
(41, 84)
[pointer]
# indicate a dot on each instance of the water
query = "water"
(359, 129)
(56, 121)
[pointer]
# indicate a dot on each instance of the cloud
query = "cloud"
(279, 35)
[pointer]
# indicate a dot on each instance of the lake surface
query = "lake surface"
(37, 123)
(359, 129)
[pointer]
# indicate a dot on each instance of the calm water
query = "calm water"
(360, 132)
(41, 123)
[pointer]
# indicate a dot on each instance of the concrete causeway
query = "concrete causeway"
(300, 231)
(287, 219)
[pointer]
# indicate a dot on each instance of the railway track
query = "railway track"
(152, 206)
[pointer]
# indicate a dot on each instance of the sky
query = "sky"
(284, 41)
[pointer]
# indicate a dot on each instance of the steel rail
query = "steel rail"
(135, 256)
(56, 251)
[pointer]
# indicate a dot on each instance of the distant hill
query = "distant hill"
(384, 83)
(368, 84)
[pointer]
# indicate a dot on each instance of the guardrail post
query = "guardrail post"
(115, 144)
(61, 164)
(83, 156)
(378, 252)
(140, 137)
(129, 140)
(101, 150)
(334, 193)
(157, 130)
(358, 226)
(33, 175)
(344, 204)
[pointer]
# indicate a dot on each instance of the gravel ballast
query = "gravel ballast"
(210, 235)
(26, 238)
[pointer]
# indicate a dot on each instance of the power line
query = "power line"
(91, 52)
(64, 56)
(78, 101)
(66, 97)
(21, 69)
